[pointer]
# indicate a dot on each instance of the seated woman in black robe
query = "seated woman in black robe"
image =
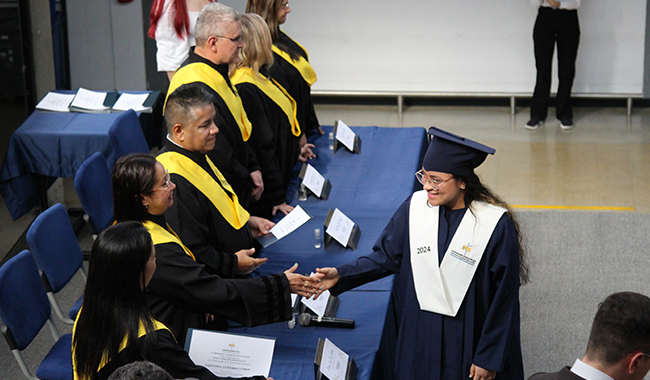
(182, 293)
(292, 68)
(115, 326)
(271, 110)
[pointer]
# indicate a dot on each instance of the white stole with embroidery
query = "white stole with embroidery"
(442, 288)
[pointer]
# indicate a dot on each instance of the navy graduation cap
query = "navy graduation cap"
(453, 154)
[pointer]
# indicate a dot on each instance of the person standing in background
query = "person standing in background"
(172, 25)
(557, 23)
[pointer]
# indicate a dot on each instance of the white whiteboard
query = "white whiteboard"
(462, 46)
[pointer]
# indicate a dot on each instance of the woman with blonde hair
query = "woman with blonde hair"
(292, 68)
(277, 137)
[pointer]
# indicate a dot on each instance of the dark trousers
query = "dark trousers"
(561, 27)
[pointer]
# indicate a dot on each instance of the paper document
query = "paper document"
(317, 306)
(290, 222)
(92, 101)
(340, 227)
(345, 135)
(54, 101)
(131, 101)
(231, 355)
(334, 362)
(313, 180)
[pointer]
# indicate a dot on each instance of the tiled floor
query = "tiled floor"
(601, 164)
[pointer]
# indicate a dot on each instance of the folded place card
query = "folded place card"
(296, 218)
(315, 182)
(345, 135)
(93, 101)
(230, 355)
(332, 363)
(342, 229)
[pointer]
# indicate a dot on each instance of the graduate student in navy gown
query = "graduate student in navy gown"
(456, 247)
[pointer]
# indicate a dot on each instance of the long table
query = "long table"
(368, 188)
(53, 144)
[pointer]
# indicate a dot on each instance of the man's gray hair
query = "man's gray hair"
(210, 21)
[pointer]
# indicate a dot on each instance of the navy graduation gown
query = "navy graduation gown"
(485, 331)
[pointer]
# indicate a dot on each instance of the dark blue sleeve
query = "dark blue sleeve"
(500, 329)
(386, 257)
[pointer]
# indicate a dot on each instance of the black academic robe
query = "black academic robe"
(289, 77)
(275, 146)
(200, 225)
(165, 352)
(564, 374)
(181, 293)
(234, 157)
(485, 331)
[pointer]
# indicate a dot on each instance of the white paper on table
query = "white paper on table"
(296, 218)
(131, 101)
(340, 227)
(345, 135)
(313, 180)
(231, 355)
(54, 101)
(317, 306)
(91, 100)
(334, 362)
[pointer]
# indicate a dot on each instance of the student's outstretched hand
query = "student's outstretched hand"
(328, 277)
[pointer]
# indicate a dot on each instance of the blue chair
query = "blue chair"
(24, 310)
(93, 185)
(56, 250)
(126, 135)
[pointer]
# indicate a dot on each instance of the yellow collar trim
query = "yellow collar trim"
(302, 65)
(225, 201)
(202, 72)
(273, 90)
(161, 235)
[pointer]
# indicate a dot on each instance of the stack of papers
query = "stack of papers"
(88, 101)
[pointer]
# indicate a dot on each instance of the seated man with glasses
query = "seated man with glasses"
(618, 344)
(218, 41)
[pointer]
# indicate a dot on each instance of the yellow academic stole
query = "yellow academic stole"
(161, 235)
(222, 197)
(302, 65)
(105, 359)
(273, 90)
(202, 72)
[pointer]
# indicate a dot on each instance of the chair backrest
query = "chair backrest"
(24, 307)
(93, 185)
(126, 135)
(55, 247)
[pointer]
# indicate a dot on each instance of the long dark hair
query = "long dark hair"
(477, 191)
(114, 301)
(269, 9)
(133, 175)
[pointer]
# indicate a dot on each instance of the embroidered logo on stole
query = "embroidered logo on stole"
(441, 288)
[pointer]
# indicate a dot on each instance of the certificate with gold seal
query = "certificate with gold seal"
(230, 355)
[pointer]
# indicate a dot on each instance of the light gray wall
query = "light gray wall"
(106, 45)
(42, 47)
(461, 46)
(467, 46)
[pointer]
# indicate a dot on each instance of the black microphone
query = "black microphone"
(307, 319)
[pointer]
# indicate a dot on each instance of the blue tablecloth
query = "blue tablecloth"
(295, 349)
(50, 144)
(368, 188)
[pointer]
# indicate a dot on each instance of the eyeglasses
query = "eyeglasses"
(165, 184)
(285, 6)
(234, 40)
(435, 183)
